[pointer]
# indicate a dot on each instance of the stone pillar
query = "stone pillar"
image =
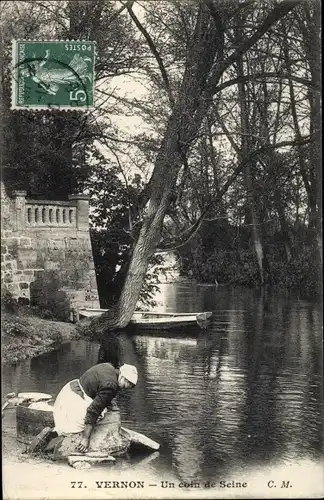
(6, 210)
(82, 210)
(20, 209)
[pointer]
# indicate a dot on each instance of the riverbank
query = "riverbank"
(25, 336)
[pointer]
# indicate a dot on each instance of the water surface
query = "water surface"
(245, 393)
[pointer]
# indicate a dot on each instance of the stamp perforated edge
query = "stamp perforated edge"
(14, 79)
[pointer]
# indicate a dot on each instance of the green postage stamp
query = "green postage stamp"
(53, 74)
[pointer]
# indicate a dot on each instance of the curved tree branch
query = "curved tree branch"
(274, 74)
(277, 13)
(186, 236)
(153, 49)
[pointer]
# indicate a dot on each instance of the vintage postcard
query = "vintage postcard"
(161, 249)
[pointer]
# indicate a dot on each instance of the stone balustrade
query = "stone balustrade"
(46, 214)
(55, 214)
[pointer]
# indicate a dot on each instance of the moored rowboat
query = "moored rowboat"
(151, 320)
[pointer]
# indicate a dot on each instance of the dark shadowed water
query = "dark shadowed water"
(245, 392)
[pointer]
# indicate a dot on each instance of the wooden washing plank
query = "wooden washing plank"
(138, 438)
(41, 440)
(74, 460)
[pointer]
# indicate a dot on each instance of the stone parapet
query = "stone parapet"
(44, 242)
(45, 214)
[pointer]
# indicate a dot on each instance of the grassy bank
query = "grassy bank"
(26, 336)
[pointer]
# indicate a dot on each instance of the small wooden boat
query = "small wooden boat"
(151, 320)
(167, 321)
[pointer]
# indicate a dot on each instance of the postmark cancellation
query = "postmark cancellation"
(53, 74)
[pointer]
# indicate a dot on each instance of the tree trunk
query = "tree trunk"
(314, 60)
(310, 23)
(271, 169)
(163, 181)
(204, 67)
(251, 202)
(182, 129)
(285, 229)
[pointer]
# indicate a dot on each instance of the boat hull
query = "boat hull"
(158, 321)
(162, 326)
(163, 321)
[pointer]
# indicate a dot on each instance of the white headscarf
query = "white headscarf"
(129, 372)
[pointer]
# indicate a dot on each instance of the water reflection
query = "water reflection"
(245, 392)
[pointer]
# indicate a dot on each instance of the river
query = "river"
(246, 393)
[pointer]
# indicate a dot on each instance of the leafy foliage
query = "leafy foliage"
(8, 302)
(15, 327)
(25, 335)
(115, 223)
(224, 253)
(46, 295)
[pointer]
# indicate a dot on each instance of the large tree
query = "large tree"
(207, 59)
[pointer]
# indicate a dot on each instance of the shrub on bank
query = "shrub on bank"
(48, 310)
(301, 274)
(48, 299)
(25, 327)
(234, 267)
(8, 303)
(15, 326)
(238, 267)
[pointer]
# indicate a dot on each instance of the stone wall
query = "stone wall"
(46, 248)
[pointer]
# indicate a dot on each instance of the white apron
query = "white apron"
(70, 410)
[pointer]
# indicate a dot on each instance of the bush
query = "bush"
(8, 303)
(301, 274)
(15, 327)
(233, 262)
(236, 267)
(46, 296)
(55, 335)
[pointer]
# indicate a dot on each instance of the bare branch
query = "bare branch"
(116, 14)
(277, 13)
(153, 49)
(275, 74)
(227, 132)
(186, 236)
(213, 12)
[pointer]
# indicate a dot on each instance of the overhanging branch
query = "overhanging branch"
(153, 49)
(274, 74)
(277, 13)
(185, 237)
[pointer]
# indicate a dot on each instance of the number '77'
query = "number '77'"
(78, 483)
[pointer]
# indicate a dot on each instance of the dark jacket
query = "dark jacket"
(100, 383)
